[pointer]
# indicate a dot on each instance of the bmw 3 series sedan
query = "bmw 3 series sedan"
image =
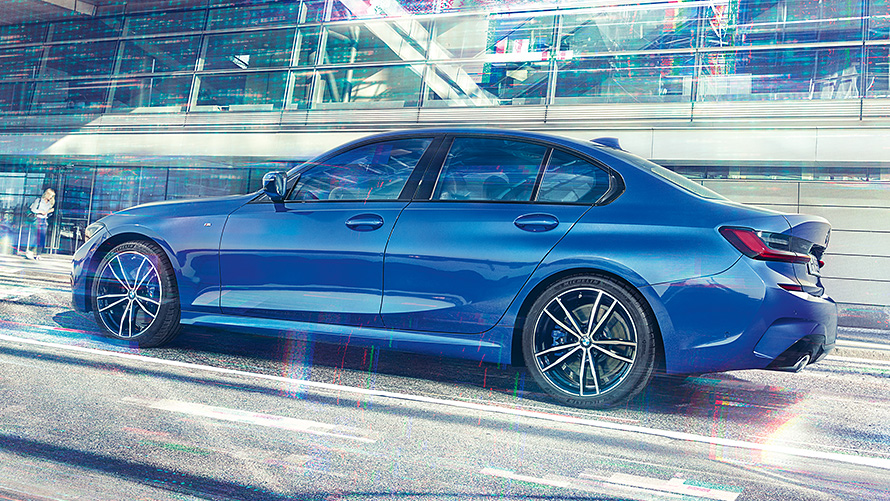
(590, 265)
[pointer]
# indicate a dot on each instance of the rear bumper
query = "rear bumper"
(741, 319)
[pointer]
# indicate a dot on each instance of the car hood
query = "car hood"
(184, 208)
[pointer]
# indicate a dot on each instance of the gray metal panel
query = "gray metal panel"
(867, 243)
(857, 291)
(859, 267)
(847, 108)
(875, 108)
(294, 117)
(846, 194)
(852, 218)
(228, 118)
(487, 115)
(381, 117)
(755, 192)
(141, 120)
(859, 144)
(732, 144)
(619, 111)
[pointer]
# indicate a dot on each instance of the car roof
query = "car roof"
(519, 134)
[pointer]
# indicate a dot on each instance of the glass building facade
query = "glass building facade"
(211, 59)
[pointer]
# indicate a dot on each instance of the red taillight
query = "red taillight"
(749, 244)
(792, 287)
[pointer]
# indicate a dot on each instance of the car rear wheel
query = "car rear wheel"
(134, 294)
(589, 341)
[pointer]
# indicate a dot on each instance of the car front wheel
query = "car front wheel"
(589, 341)
(134, 294)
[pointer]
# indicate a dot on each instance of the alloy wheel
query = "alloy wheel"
(129, 294)
(585, 342)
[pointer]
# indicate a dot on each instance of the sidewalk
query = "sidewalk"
(863, 331)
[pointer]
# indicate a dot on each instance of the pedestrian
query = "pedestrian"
(42, 208)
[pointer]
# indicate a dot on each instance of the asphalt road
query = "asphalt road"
(220, 415)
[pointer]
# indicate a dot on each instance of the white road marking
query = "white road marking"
(872, 462)
(674, 485)
(241, 416)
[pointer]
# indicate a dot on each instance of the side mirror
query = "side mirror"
(274, 185)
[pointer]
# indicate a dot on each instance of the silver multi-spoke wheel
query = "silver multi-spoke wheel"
(129, 294)
(134, 295)
(585, 342)
(590, 343)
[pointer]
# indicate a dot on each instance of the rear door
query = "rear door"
(480, 225)
(318, 256)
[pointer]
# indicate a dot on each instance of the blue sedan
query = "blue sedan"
(590, 265)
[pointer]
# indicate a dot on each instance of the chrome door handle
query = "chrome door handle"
(364, 222)
(536, 222)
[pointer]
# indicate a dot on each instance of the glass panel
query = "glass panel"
(20, 63)
(489, 169)
(257, 15)
(78, 96)
(159, 55)
(486, 84)
(377, 171)
(775, 75)
(388, 86)
(878, 19)
(200, 183)
(770, 172)
(313, 11)
(626, 79)
(569, 179)
(22, 33)
(376, 42)
(15, 97)
(243, 92)
(152, 95)
(115, 189)
(515, 38)
(757, 22)
(878, 77)
(631, 28)
(166, 22)
(302, 86)
(255, 49)
(364, 9)
(80, 59)
(307, 46)
(80, 29)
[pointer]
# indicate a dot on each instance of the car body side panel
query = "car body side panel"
(300, 261)
(457, 266)
(189, 232)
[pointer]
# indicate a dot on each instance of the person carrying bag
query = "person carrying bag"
(42, 208)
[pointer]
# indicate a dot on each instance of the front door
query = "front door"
(318, 256)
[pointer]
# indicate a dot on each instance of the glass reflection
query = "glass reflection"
(636, 78)
(241, 92)
(379, 86)
(152, 95)
(159, 55)
(776, 75)
(254, 49)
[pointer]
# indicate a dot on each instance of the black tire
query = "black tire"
(134, 295)
(618, 343)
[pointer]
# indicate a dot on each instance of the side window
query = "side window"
(569, 179)
(376, 171)
(489, 169)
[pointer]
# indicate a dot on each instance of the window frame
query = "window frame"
(427, 187)
(407, 193)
